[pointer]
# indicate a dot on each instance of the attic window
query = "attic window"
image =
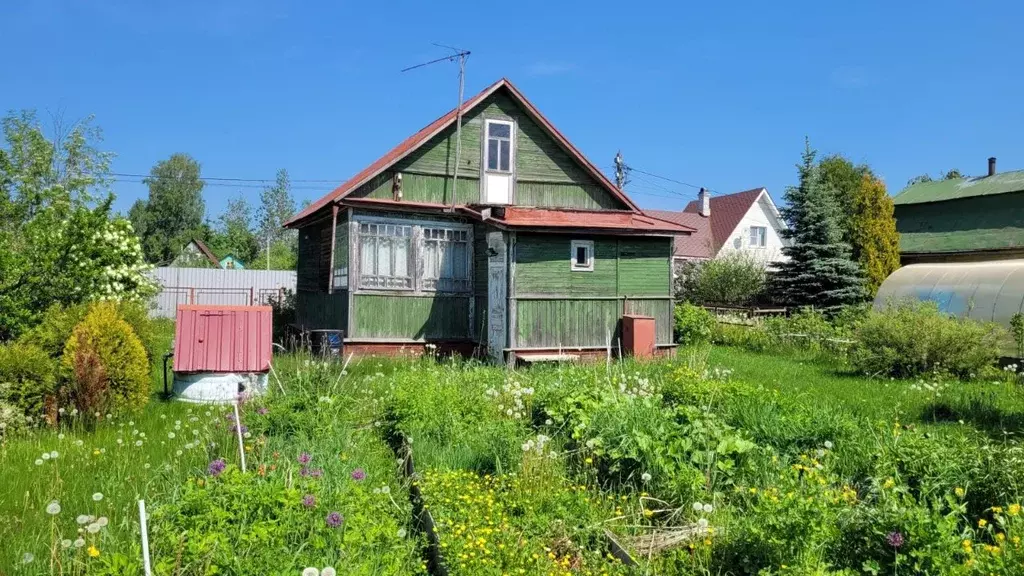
(582, 256)
(758, 236)
(499, 146)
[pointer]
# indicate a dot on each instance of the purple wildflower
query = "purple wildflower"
(895, 539)
(304, 458)
(334, 519)
(245, 429)
(316, 472)
(358, 474)
(263, 411)
(304, 471)
(216, 467)
(309, 501)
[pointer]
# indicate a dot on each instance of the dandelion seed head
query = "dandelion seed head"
(97, 497)
(53, 508)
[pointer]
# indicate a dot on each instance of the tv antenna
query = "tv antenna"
(460, 55)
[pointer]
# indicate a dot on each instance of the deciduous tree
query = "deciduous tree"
(873, 229)
(174, 211)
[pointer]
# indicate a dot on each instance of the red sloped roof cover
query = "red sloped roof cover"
(516, 216)
(413, 142)
(222, 339)
(726, 213)
(696, 245)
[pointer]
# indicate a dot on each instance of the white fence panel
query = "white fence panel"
(219, 287)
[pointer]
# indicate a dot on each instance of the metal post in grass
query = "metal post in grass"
(238, 431)
(145, 538)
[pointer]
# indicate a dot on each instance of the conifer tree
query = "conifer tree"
(819, 270)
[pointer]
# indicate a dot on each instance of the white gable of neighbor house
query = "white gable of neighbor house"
(761, 213)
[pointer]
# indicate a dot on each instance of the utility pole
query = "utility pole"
(268, 251)
(621, 171)
(461, 55)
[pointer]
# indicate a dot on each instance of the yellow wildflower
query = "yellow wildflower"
(93, 552)
(1013, 510)
(959, 492)
(982, 523)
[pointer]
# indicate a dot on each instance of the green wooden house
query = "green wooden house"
(962, 220)
(485, 232)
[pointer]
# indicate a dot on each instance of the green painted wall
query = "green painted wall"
(312, 273)
(622, 267)
(584, 306)
(480, 279)
(410, 317)
(545, 174)
(320, 310)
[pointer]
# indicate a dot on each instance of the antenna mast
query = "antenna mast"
(460, 54)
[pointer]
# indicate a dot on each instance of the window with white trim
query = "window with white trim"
(498, 151)
(758, 236)
(445, 260)
(385, 252)
(582, 255)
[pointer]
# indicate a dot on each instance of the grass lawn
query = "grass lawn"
(995, 408)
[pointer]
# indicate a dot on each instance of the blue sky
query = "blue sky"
(709, 93)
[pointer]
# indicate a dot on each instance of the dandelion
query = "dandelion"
(46, 455)
(645, 477)
(97, 497)
(93, 552)
(894, 539)
(138, 443)
(702, 523)
(828, 445)
(708, 508)
(65, 543)
(982, 523)
(328, 571)
(53, 508)
(93, 528)
(82, 519)
(334, 519)
(304, 458)
(1013, 509)
(959, 492)
(39, 462)
(385, 489)
(401, 532)
(216, 467)
(27, 558)
(102, 521)
(358, 474)
(310, 572)
(60, 436)
(170, 435)
(79, 542)
(698, 507)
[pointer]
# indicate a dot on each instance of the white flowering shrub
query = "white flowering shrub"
(110, 265)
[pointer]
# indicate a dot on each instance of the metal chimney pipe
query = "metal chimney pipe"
(992, 166)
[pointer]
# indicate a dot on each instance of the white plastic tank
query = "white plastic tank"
(217, 388)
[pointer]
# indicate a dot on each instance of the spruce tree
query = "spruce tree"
(819, 271)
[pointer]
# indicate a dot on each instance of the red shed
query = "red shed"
(223, 339)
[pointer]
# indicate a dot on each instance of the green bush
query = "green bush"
(120, 353)
(27, 378)
(57, 323)
(693, 324)
(912, 338)
(736, 279)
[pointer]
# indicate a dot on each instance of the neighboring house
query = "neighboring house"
(745, 221)
(962, 220)
(196, 254)
(535, 252)
(229, 262)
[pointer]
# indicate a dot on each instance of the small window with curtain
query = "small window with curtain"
(758, 236)
(582, 256)
(446, 255)
(499, 146)
(385, 253)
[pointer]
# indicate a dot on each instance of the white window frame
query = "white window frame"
(574, 246)
(763, 237)
(511, 146)
(410, 258)
(451, 235)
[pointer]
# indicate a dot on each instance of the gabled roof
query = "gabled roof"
(940, 190)
(711, 232)
(413, 142)
(205, 250)
(598, 220)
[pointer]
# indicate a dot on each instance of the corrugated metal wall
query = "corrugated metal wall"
(218, 287)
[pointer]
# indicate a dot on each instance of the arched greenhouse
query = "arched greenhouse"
(986, 291)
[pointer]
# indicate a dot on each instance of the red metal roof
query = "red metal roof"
(711, 232)
(416, 140)
(222, 339)
(620, 220)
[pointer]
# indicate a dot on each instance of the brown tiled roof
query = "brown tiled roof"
(206, 251)
(416, 140)
(711, 232)
(619, 220)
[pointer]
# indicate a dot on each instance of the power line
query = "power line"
(220, 179)
(667, 179)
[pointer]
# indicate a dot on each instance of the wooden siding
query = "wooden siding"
(480, 281)
(319, 310)
(545, 174)
(567, 322)
(622, 267)
(662, 312)
(314, 257)
(645, 267)
(410, 317)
